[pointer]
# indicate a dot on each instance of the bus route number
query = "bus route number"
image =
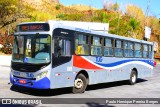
(99, 59)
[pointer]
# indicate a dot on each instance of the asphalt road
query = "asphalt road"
(145, 88)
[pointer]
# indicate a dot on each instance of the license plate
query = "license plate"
(22, 81)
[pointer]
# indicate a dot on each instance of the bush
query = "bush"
(61, 16)
(7, 49)
(57, 7)
(7, 43)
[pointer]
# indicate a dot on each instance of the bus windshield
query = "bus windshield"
(31, 49)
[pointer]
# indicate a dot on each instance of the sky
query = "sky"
(154, 5)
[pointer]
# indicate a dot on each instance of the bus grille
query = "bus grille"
(27, 67)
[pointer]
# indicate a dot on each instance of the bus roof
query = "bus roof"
(72, 25)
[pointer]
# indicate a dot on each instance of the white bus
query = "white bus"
(50, 55)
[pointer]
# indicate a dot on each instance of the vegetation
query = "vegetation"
(11, 11)
(129, 24)
(57, 6)
(7, 42)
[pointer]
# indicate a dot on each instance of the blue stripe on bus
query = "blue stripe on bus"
(150, 62)
(43, 83)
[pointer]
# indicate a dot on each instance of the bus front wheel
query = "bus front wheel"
(133, 77)
(80, 84)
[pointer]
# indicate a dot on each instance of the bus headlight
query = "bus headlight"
(41, 75)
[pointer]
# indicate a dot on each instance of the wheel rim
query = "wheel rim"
(78, 83)
(134, 78)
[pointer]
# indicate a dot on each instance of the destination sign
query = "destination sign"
(33, 27)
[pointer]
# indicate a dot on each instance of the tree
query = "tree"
(61, 16)
(136, 12)
(12, 10)
(134, 25)
(101, 16)
(7, 43)
(57, 6)
(111, 6)
(115, 7)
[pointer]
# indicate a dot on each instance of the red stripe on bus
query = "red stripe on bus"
(80, 62)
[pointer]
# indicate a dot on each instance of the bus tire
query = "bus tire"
(133, 77)
(80, 84)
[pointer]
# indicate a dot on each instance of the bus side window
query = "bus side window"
(108, 47)
(128, 49)
(96, 46)
(137, 51)
(81, 44)
(79, 50)
(62, 47)
(56, 47)
(118, 48)
(150, 51)
(145, 51)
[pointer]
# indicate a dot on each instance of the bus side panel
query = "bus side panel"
(62, 75)
(112, 69)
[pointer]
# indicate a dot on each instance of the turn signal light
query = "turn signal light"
(155, 63)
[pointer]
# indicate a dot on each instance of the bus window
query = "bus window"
(19, 40)
(18, 49)
(145, 51)
(62, 47)
(108, 49)
(81, 44)
(32, 49)
(150, 51)
(28, 47)
(96, 47)
(118, 48)
(137, 51)
(128, 49)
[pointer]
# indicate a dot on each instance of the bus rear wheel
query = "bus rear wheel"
(80, 84)
(133, 77)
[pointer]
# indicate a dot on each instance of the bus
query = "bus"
(53, 54)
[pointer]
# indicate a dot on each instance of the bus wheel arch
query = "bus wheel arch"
(85, 74)
(133, 76)
(81, 81)
(135, 71)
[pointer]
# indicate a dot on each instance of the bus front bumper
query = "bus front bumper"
(43, 83)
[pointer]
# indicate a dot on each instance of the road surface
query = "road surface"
(145, 88)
